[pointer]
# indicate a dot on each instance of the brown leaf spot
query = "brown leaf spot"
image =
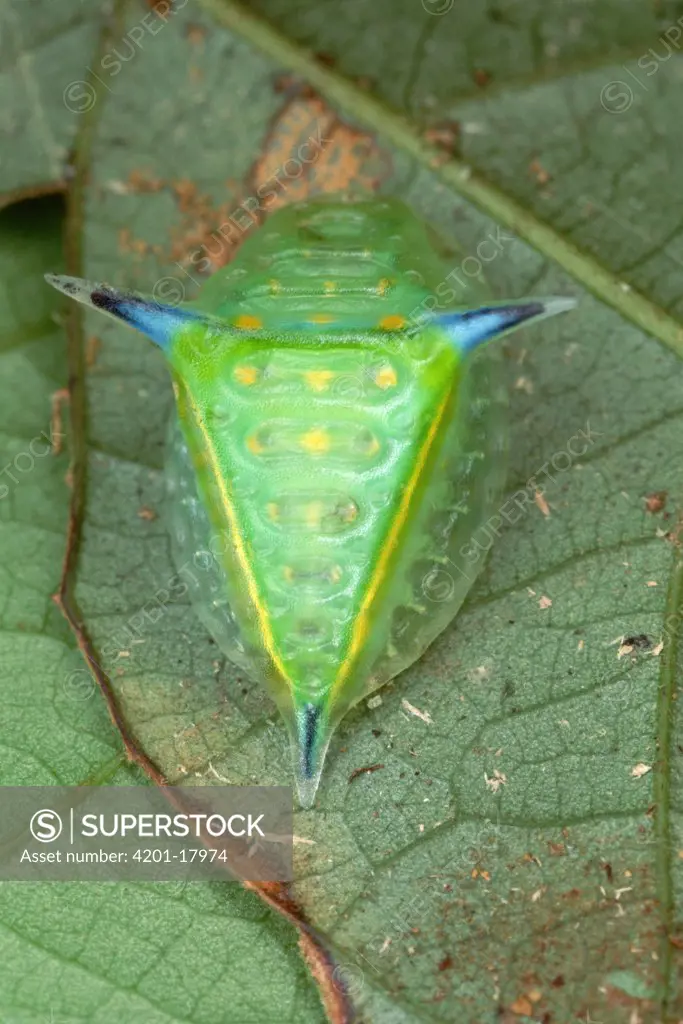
(522, 1007)
(195, 35)
(445, 135)
(140, 180)
(656, 501)
(542, 176)
(310, 151)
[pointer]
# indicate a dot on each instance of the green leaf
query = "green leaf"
(519, 849)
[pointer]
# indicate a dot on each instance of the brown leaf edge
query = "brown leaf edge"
(333, 992)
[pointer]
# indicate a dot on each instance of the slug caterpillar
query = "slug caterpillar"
(336, 443)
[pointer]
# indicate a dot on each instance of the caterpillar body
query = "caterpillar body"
(336, 444)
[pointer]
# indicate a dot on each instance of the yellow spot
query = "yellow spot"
(385, 377)
(275, 287)
(254, 445)
(392, 323)
(315, 441)
(373, 447)
(329, 286)
(245, 374)
(248, 323)
(273, 510)
(314, 513)
(320, 318)
(318, 380)
(383, 286)
(288, 573)
(335, 574)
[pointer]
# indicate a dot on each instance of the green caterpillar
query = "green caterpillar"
(336, 445)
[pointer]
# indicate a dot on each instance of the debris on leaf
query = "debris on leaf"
(542, 176)
(545, 602)
(374, 702)
(640, 640)
(524, 384)
(445, 135)
(624, 649)
(657, 650)
(497, 780)
(147, 513)
(640, 769)
(652, 583)
(217, 775)
(411, 709)
(656, 501)
(628, 644)
(522, 1007)
(367, 769)
(542, 503)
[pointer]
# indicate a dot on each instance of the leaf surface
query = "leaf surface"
(517, 855)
